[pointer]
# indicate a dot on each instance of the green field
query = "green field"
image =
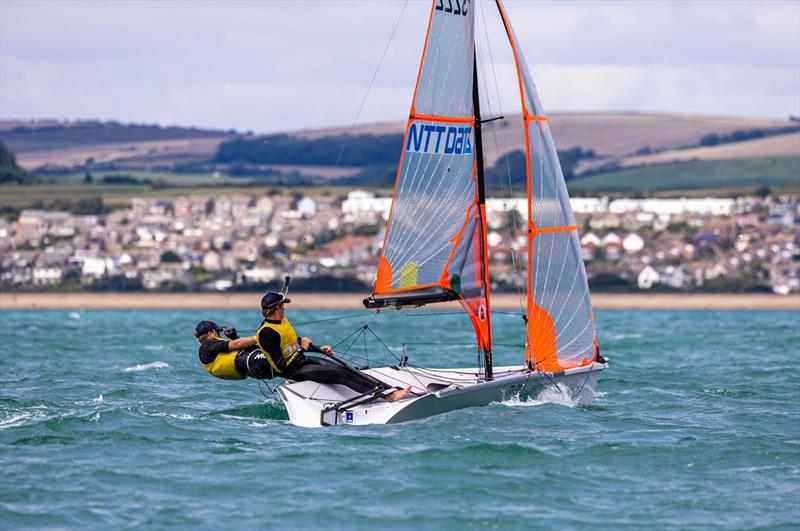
(727, 175)
(721, 178)
(24, 196)
(169, 178)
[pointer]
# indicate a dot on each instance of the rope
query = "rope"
(333, 318)
(510, 193)
(271, 390)
(371, 81)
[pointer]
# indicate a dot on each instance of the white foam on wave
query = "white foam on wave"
(97, 400)
(75, 316)
(252, 422)
(154, 347)
(146, 366)
(34, 414)
(179, 416)
(617, 337)
(549, 395)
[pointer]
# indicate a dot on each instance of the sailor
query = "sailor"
(286, 354)
(232, 359)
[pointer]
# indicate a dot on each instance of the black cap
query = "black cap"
(204, 327)
(272, 299)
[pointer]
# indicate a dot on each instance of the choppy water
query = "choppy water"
(108, 420)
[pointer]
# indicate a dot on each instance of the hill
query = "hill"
(610, 135)
(774, 146)
(604, 151)
(68, 144)
(723, 175)
(607, 134)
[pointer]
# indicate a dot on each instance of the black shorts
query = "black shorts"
(253, 364)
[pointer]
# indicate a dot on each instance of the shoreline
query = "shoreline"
(352, 301)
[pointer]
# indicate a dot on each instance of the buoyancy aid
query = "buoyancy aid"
(224, 365)
(290, 347)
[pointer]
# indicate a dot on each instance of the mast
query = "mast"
(481, 189)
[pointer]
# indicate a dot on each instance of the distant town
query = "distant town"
(330, 243)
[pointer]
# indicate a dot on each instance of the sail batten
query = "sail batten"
(434, 246)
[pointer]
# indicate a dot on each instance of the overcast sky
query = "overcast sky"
(286, 65)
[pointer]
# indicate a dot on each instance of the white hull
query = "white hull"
(436, 391)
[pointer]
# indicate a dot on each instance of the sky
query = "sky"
(268, 66)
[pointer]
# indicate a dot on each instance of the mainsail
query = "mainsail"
(560, 330)
(435, 242)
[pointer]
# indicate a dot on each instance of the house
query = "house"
(261, 274)
(307, 207)
(784, 277)
(212, 261)
(673, 276)
(633, 243)
(43, 276)
(95, 268)
(612, 246)
(647, 278)
(589, 245)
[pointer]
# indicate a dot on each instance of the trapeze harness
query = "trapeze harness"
(290, 351)
(287, 359)
(236, 364)
(224, 365)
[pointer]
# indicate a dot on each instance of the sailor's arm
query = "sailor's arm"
(240, 343)
(308, 346)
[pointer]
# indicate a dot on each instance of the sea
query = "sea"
(108, 421)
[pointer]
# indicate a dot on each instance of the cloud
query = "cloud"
(270, 66)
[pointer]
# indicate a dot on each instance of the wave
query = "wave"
(75, 316)
(36, 413)
(270, 410)
(146, 366)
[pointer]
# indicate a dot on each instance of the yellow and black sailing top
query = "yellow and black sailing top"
(278, 340)
(219, 360)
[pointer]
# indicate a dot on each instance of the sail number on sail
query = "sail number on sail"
(460, 9)
(440, 139)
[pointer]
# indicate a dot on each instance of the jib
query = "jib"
(449, 140)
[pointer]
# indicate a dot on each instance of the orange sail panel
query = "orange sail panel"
(561, 332)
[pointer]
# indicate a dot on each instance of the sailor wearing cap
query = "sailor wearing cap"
(286, 353)
(226, 359)
(276, 336)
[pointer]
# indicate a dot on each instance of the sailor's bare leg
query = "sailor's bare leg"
(400, 394)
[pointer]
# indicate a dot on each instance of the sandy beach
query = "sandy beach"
(352, 301)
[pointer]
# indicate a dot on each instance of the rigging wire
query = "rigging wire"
(510, 193)
(341, 317)
(349, 132)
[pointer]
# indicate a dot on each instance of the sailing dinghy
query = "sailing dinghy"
(435, 248)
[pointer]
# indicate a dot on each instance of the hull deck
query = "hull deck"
(435, 391)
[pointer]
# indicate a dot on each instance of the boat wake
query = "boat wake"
(552, 394)
(146, 366)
